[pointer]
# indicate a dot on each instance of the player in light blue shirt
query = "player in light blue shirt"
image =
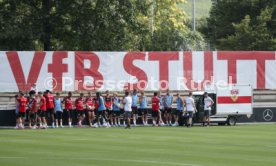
(143, 108)
(101, 110)
(116, 110)
(16, 111)
(179, 109)
(168, 107)
(58, 109)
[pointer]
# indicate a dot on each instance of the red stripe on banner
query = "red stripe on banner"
(232, 100)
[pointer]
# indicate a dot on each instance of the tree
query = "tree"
(98, 25)
(32, 25)
(242, 25)
(251, 37)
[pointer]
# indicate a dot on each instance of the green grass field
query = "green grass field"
(161, 146)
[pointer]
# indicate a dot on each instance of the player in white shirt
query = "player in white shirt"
(208, 102)
(34, 88)
(127, 108)
(190, 108)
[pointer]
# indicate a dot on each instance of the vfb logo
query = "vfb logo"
(234, 94)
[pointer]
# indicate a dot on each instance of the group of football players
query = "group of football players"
(105, 110)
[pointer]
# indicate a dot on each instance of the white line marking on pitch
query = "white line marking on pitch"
(10, 157)
(119, 160)
(137, 161)
(271, 146)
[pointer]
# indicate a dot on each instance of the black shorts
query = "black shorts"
(109, 112)
(180, 113)
(58, 114)
(88, 110)
(42, 114)
(154, 114)
(176, 112)
(51, 110)
(16, 115)
(21, 114)
(80, 112)
(68, 113)
(33, 115)
(100, 113)
(127, 115)
(143, 111)
(116, 113)
(134, 110)
(168, 110)
(38, 112)
(207, 113)
(191, 114)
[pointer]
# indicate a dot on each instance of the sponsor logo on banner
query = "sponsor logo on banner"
(267, 115)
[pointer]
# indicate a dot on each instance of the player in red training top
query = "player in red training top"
(22, 103)
(155, 108)
(50, 106)
(68, 111)
(90, 109)
(33, 110)
(43, 109)
(79, 103)
(108, 106)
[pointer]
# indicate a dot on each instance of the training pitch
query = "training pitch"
(160, 146)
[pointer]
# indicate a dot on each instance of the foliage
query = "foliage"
(242, 25)
(98, 25)
(251, 37)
